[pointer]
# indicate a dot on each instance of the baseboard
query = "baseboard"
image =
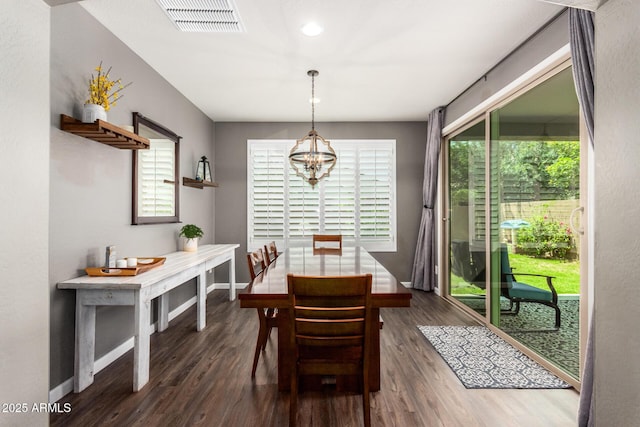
(66, 386)
(61, 390)
(226, 286)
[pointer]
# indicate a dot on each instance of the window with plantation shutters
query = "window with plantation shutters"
(357, 200)
(156, 174)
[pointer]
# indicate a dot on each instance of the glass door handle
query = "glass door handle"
(572, 217)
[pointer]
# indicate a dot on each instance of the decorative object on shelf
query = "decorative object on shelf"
(312, 160)
(203, 175)
(191, 234)
(203, 171)
(142, 265)
(93, 112)
(103, 94)
(105, 133)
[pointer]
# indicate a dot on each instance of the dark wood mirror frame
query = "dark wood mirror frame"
(136, 218)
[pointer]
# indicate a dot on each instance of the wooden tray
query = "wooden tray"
(144, 264)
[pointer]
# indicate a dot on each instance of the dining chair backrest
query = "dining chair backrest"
(270, 253)
(266, 317)
(330, 329)
(327, 243)
(256, 263)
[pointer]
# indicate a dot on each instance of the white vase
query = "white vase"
(190, 245)
(93, 112)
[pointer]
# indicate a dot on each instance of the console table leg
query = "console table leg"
(141, 343)
(232, 278)
(85, 343)
(163, 315)
(201, 303)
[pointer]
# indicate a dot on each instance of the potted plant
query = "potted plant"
(191, 233)
(103, 94)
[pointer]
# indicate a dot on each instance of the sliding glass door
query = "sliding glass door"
(467, 216)
(514, 206)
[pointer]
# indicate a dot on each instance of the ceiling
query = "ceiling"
(379, 60)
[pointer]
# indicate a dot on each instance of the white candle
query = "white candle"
(132, 262)
(121, 263)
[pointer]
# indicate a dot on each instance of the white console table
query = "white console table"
(138, 291)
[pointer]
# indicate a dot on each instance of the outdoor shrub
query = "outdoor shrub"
(545, 238)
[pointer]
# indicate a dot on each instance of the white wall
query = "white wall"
(617, 209)
(24, 217)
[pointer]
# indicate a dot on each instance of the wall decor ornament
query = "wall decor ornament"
(203, 170)
(103, 94)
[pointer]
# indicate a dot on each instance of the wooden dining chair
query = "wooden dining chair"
(330, 330)
(270, 253)
(256, 263)
(327, 243)
(266, 317)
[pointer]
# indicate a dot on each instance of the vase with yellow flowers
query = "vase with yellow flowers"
(103, 94)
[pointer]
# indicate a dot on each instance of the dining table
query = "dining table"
(269, 290)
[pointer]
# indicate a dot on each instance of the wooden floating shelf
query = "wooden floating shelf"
(105, 133)
(197, 184)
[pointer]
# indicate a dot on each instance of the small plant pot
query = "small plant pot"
(190, 245)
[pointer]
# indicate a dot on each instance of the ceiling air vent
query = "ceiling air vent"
(218, 16)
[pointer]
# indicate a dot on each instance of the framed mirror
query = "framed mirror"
(155, 174)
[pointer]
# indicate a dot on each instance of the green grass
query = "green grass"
(566, 275)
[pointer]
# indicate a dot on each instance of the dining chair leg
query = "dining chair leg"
(293, 399)
(269, 315)
(366, 403)
(261, 341)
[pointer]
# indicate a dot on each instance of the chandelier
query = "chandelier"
(310, 163)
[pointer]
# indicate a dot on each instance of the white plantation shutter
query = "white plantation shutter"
(155, 179)
(357, 200)
(303, 207)
(266, 198)
(377, 212)
(340, 190)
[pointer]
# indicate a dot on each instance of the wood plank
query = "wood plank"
(204, 378)
(104, 132)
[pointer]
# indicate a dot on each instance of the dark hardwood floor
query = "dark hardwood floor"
(204, 378)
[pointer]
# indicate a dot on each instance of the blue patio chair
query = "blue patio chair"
(518, 292)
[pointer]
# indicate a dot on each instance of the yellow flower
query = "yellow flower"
(101, 89)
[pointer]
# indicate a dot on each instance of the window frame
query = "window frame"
(136, 217)
(357, 147)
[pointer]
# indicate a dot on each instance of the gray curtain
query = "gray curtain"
(423, 274)
(582, 42)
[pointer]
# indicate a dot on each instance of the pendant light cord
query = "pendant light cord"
(313, 102)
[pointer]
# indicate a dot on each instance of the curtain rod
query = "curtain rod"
(527, 40)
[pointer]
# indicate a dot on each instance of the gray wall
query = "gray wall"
(91, 183)
(530, 54)
(617, 207)
(231, 173)
(24, 197)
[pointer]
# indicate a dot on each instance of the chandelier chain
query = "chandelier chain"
(313, 101)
